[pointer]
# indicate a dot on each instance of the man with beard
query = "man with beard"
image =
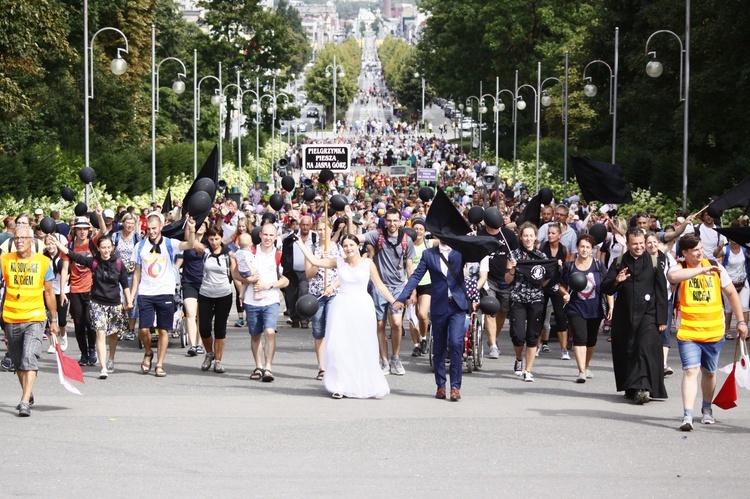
(640, 312)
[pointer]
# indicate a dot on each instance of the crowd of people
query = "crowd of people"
(366, 265)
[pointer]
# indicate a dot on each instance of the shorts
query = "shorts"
(503, 296)
(319, 319)
(705, 355)
(425, 289)
(107, 318)
(744, 300)
(190, 290)
(381, 303)
(25, 344)
(261, 318)
(246, 274)
(62, 312)
(156, 311)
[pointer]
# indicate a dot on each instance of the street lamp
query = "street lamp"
(521, 105)
(216, 100)
(546, 101)
(497, 107)
(337, 71)
(118, 66)
(417, 75)
(469, 111)
(590, 89)
(272, 108)
(178, 87)
(654, 70)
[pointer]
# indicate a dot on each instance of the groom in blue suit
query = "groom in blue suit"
(447, 310)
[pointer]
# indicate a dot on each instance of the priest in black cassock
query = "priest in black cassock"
(639, 315)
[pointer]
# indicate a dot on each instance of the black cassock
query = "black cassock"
(640, 306)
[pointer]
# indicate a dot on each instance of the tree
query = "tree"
(319, 87)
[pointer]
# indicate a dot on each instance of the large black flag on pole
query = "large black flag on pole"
(736, 197)
(603, 182)
(446, 223)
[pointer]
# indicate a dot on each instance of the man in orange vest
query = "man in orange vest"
(700, 324)
(28, 277)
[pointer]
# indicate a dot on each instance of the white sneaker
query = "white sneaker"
(589, 374)
(707, 416)
(565, 355)
(581, 378)
(51, 349)
(494, 352)
(64, 342)
(527, 377)
(538, 350)
(384, 367)
(103, 374)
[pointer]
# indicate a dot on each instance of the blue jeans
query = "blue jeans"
(319, 319)
(261, 318)
(705, 355)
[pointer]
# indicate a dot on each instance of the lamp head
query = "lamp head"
(469, 109)
(215, 99)
(521, 104)
(178, 86)
(589, 90)
(654, 68)
(118, 65)
(501, 106)
(546, 99)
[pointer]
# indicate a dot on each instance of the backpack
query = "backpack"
(254, 249)
(225, 254)
(116, 238)
(92, 247)
(143, 242)
(725, 260)
(401, 236)
(95, 264)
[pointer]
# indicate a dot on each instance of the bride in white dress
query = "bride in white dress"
(351, 346)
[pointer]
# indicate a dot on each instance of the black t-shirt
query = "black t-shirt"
(499, 259)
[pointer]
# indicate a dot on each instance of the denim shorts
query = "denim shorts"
(319, 319)
(261, 318)
(705, 355)
(381, 304)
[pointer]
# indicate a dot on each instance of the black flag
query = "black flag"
(736, 197)
(537, 271)
(167, 206)
(603, 182)
(532, 212)
(446, 223)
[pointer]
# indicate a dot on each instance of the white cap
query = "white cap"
(38, 211)
(109, 213)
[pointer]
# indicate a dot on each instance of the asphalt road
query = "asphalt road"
(203, 434)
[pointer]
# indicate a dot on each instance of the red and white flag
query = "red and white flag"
(68, 370)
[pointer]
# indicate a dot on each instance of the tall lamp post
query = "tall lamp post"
(590, 89)
(469, 111)
(237, 105)
(417, 75)
(336, 71)
(497, 107)
(546, 101)
(521, 105)
(272, 107)
(216, 99)
(654, 69)
(178, 87)
(118, 66)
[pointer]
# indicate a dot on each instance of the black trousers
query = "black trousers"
(79, 309)
(298, 287)
(214, 310)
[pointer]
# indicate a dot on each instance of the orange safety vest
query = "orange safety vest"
(24, 288)
(700, 308)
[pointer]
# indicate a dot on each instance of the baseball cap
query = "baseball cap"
(38, 211)
(109, 214)
(81, 222)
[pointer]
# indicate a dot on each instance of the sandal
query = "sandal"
(175, 334)
(267, 376)
(159, 372)
(257, 373)
(729, 336)
(146, 367)
(320, 374)
(337, 395)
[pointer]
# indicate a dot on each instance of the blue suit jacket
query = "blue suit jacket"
(439, 304)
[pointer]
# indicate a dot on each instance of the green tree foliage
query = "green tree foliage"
(319, 87)
(403, 73)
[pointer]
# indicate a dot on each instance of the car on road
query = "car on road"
(301, 126)
(313, 112)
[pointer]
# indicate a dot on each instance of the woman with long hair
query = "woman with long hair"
(191, 264)
(232, 242)
(53, 253)
(125, 241)
(215, 298)
(526, 302)
(553, 249)
(419, 333)
(351, 347)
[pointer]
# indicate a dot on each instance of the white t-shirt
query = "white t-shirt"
(264, 265)
(710, 239)
(157, 269)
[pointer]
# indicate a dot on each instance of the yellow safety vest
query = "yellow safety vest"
(700, 308)
(24, 287)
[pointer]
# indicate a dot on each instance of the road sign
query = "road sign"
(427, 174)
(334, 157)
(398, 171)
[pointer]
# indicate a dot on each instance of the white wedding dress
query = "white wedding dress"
(351, 345)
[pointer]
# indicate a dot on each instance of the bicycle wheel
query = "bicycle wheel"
(478, 341)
